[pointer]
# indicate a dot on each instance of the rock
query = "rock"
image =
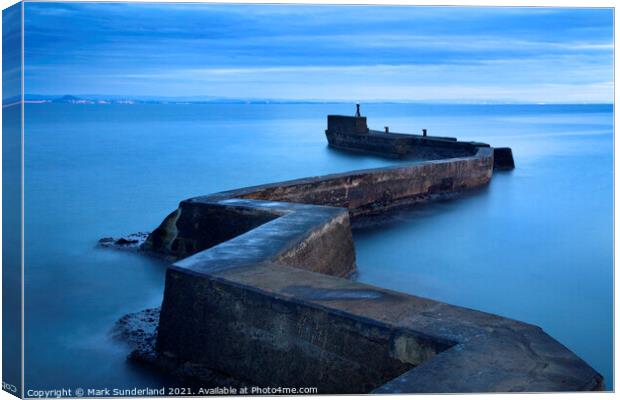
(125, 242)
(130, 242)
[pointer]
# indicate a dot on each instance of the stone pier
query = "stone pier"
(259, 292)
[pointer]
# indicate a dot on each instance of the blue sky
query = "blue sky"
(321, 52)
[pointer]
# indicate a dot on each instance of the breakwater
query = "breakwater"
(258, 293)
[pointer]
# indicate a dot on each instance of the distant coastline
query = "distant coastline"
(130, 100)
(99, 99)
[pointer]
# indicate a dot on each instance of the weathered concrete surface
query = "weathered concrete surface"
(399, 145)
(139, 331)
(351, 133)
(206, 221)
(375, 191)
(284, 232)
(258, 293)
(198, 225)
(272, 341)
(346, 337)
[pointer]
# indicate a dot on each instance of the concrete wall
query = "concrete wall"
(352, 134)
(260, 295)
(195, 226)
(201, 223)
(272, 341)
(399, 145)
(343, 123)
(375, 191)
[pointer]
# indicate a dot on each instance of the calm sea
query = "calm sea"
(535, 245)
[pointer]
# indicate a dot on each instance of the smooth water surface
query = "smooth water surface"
(534, 245)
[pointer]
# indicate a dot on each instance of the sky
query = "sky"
(349, 53)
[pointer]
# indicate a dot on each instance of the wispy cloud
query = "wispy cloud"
(459, 54)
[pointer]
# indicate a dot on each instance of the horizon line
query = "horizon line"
(216, 99)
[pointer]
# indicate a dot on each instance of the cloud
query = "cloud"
(331, 52)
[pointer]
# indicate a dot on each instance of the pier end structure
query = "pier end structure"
(351, 133)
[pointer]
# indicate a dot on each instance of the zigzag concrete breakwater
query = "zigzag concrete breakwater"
(259, 292)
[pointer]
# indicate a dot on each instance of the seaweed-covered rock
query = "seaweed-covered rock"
(130, 242)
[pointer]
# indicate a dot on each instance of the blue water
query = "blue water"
(534, 245)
